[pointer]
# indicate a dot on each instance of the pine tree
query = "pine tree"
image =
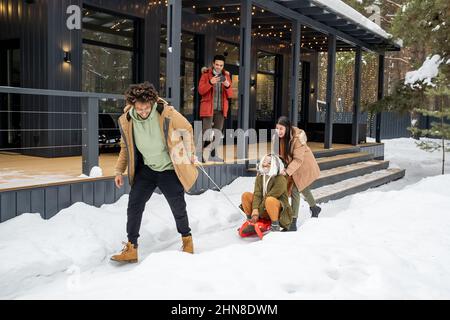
(423, 25)
(440, 111)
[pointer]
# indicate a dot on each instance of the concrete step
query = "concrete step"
(327, 163)
(335, 175)
(358, 184)
(335, 152)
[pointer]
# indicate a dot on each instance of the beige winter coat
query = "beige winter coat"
(177, 134)
(302, 166)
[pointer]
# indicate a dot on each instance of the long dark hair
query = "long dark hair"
(285, 122)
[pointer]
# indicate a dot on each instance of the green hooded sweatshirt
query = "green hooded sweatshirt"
(150, 142)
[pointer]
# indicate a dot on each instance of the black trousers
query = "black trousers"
(145, 182)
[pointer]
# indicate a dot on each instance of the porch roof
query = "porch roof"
(319, 18)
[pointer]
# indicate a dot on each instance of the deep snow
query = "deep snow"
(386, 243)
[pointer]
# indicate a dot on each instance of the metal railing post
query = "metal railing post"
(89, 136)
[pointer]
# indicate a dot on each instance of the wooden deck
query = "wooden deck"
(17, 171)
(30, 184)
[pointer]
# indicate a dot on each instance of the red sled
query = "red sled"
(259, 228)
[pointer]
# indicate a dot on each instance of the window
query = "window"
(162, 61)
(189, 64)
(266, 86)
(108, 54)
(230, 51)
(10, 76)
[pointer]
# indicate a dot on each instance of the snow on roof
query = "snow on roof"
(342, 9)
(428, 71)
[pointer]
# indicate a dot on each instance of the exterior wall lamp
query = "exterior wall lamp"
(67, 57)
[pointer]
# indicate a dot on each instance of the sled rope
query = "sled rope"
(220, 190)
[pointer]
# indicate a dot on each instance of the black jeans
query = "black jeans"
(145, 182)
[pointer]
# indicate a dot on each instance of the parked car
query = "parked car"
(108, 133)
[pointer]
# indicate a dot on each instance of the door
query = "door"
(230, 51)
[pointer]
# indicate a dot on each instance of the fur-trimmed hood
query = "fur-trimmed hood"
(300, 134)
(276, 165)
(206, 70)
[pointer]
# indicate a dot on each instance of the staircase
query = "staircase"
(348, 171)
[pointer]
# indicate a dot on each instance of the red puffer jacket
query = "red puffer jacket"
(206, 90)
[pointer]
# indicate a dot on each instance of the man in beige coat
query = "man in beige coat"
(158, 149)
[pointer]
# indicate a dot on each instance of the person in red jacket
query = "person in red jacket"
(215, 90)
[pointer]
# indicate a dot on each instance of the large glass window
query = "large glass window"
(162, 61)
(266, 86)
(322, 81)
(230, 51)
(108, 54)
(106, 69)
(10, 76)
(189, 64)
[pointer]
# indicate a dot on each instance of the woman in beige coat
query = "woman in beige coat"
(301, 166)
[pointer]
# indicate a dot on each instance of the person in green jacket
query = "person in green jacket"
(269, 199)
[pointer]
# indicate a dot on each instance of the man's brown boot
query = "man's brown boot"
(129, 254)
(188, 245)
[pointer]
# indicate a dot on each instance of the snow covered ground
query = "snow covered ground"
(386, 243)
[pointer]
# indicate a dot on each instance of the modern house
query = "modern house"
(63, 62)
